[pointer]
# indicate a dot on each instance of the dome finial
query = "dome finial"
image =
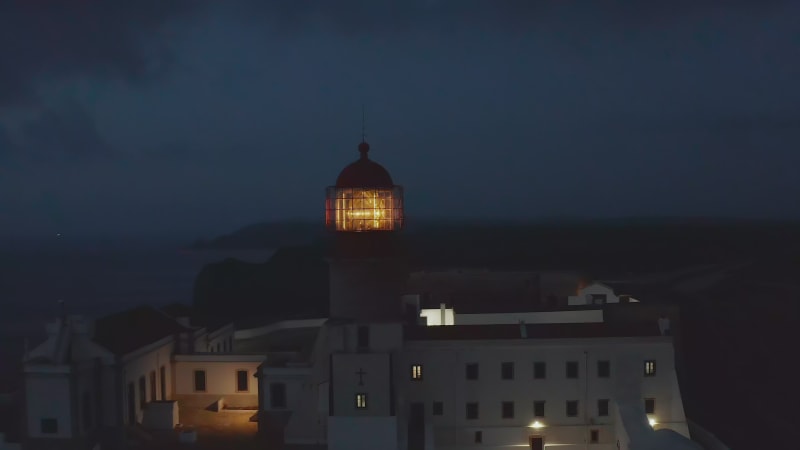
(363, 126)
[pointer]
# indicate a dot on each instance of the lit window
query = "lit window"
(361, 401)
(416, 372)
(650, 368)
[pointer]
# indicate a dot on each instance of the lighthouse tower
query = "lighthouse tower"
(364, 212)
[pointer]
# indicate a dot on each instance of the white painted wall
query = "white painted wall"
(433, 317)
(444, 380)
(221, 372)
(362, 433)
(48, 396)
(141, 363)
(375, 383)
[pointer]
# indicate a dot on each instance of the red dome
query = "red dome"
(364, 173)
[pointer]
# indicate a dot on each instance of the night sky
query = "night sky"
(157, 116)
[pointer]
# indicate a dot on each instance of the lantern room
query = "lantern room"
(364, 198)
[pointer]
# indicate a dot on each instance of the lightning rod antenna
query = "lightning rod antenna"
(363, 125)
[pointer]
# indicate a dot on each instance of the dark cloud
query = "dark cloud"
(358, 17)
(64, 134)
(50, 39)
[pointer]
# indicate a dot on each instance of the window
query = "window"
(507, 371)
(438, 408)
(152, 385)
(603, 369)
(650, 368)
(199, 380)
(538, 408)
(163, 376)
(539, 370)
(142, 392)
(472, 411)
(594, 436)
(599, 299)
(472, 371)
(86, 406)
(230, 343)
(478, 437)
(277, 395)
(242, 381)
(572, 369)
(416, 372)
(602, 407)
(649, 406)
(572, 408)
(363, 337)
(361, 401)
(508, 410)
(49, 426)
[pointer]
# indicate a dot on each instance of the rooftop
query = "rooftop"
(131, 330)
(535, 331)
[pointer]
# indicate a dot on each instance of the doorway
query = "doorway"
(537, 442)
(416, 426)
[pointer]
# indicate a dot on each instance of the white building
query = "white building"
(394, 367)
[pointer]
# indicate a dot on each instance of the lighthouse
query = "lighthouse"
(364, 214)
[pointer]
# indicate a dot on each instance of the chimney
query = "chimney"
(442, 313)
(523, 330)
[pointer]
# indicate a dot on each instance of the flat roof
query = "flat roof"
(532, 331)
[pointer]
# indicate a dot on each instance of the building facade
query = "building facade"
(401, 363)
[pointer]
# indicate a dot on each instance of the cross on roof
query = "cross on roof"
(361, 374)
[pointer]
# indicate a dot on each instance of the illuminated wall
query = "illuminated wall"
(359, 209)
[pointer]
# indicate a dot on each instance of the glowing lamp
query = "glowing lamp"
(536, 425)
(652, 421)
(364, 198)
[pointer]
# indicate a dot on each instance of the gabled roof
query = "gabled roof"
(125, 332)
(536, 331)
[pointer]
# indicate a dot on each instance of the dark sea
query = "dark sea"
(93, 278)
